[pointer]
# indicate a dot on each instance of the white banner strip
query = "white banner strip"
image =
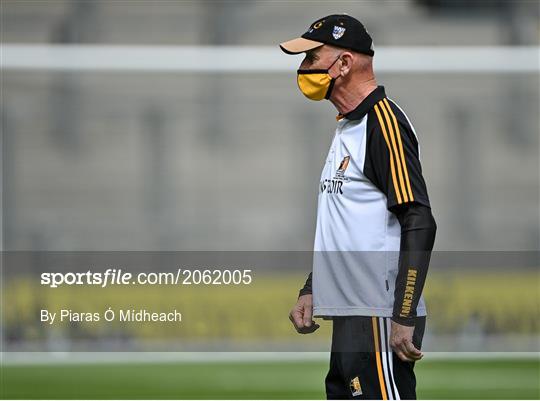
(241, 59)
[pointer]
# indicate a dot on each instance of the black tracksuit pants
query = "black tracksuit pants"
(362, 364)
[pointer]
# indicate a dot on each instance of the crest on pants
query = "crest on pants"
(356, 388)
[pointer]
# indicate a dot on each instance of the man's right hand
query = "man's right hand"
(301, 315)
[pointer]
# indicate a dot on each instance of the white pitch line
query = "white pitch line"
(44, 358)
(53, 358)
(259, 59)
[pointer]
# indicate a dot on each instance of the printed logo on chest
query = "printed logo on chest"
(335, 185)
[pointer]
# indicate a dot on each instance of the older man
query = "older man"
(375, 230)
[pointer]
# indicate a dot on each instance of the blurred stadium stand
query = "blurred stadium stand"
(144, 161)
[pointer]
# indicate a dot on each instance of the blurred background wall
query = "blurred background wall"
(183, 160)
(100, 160)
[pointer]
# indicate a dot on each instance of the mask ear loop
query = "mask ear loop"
(331, 65)
(329, 90)
(332, 81)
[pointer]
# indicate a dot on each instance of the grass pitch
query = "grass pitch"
(437, 379)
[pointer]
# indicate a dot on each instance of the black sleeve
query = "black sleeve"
(392, 164)
(307, 287)
(418, 230)
(392, 161)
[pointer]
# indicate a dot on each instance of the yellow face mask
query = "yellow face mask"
(316, 84)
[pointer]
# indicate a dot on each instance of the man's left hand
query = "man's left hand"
(402, 344)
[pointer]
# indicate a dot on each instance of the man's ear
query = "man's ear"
(347, 60)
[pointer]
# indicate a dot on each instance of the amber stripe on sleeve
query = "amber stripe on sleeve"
(396, 152)
(402, 154)
(392, 167)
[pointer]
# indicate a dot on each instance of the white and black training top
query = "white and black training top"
(372, 167)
